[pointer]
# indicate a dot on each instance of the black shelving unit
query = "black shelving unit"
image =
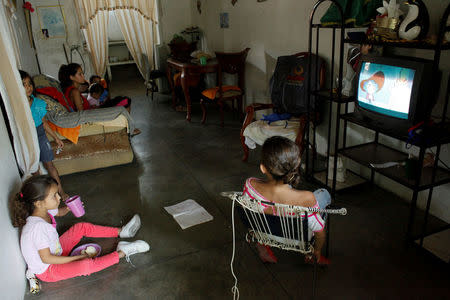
(329, 95)
(375, 152)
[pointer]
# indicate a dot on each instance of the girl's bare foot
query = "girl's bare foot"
(322, 260)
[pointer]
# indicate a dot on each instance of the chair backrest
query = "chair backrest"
(232, 63)
(287, 230)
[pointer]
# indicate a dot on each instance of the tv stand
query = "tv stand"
(399, 132)
(375, 152)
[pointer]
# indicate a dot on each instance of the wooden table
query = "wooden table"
(190, 76)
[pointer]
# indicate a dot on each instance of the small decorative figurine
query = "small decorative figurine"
(390, 9)
(416, 23)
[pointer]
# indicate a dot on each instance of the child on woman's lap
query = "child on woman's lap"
(280, 164)
(45, 252)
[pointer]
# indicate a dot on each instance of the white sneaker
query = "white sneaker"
(129, 230)
(130, 248)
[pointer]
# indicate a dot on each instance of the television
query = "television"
(395, 91)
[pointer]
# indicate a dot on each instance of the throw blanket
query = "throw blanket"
(73, 119)
(56, 94)
(356, 12)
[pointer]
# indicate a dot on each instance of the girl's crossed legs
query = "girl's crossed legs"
(85, 266)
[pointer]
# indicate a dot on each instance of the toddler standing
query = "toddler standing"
(38, 111)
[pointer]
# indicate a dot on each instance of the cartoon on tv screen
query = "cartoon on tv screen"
(385, 89)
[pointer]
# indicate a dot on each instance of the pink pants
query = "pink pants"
(84, 266)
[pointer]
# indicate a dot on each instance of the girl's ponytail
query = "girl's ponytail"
(34, 189)
(22, 209)
(292, 178)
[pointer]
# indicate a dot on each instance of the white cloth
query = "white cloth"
(139, 33)
(24, 134)
(258, 131)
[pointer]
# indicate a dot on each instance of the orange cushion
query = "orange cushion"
(71, 134)
(212, 93)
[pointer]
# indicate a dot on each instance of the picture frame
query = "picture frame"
(224, 20)
(52, 21)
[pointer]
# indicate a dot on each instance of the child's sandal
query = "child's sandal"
(266, 254)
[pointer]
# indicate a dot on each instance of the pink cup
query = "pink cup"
(75, 205)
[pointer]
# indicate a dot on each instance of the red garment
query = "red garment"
(70, 239)
(86, 105)
(57, 95)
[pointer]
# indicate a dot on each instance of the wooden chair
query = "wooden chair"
(231, 63)
(252, 108)
(288, 231)
(152, 86)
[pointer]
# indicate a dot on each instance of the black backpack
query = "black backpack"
(289, 84)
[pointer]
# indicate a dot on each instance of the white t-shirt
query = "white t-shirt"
(38, 234)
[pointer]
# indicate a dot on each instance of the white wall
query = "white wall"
(27, 57)
(175, 15)
(12, 265)
(50, 50)
(275, 28)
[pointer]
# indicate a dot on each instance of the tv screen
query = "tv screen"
(385, 89)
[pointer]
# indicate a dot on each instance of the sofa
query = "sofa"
(100, 144)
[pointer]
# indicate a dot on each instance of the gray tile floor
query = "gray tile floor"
(176, 161)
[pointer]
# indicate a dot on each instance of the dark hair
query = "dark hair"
(91, 79)
(24, 75)
(34, 189)
(65, 71)
(96, 88)
(281, 158)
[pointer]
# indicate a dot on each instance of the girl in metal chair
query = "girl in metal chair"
(280, 164)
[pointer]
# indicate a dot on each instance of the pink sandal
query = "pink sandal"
(266, 254)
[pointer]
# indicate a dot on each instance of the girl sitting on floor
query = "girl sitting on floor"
(45, 252)
(280, 164)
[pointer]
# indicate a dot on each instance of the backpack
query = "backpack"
(289, 84)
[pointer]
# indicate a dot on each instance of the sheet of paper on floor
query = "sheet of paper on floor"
(188, 213)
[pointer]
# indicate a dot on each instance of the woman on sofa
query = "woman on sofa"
(71, 77)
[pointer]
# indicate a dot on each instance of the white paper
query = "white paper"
(188, 213)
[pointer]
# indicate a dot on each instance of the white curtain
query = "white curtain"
(136, 19)
(10, 12)
(138, 33)
(93, 18)
(21, 122)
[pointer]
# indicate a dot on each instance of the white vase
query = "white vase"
(340, 171)
(412, 33)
